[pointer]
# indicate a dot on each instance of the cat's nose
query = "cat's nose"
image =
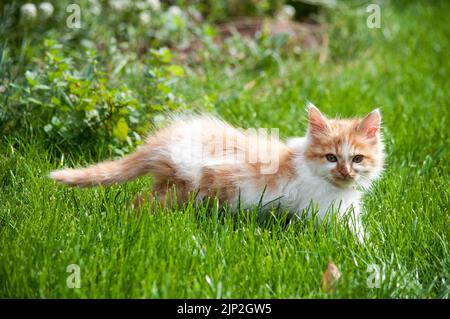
(344, 170)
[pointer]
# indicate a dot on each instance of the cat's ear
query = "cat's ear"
(317, 122)
(370, 125)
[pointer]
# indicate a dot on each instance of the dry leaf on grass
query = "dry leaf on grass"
(330, 277)
(249, 85)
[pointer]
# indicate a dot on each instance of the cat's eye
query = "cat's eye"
(357, 158)
(331, 158)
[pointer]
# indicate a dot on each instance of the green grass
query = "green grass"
(204, 253)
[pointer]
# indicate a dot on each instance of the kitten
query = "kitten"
(328, 168)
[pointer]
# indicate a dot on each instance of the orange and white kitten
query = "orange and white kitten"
(327, 169)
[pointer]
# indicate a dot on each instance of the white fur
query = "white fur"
(309, 187)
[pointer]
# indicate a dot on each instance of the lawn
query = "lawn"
(204, 252)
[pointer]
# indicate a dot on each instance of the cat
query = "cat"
(329, 168)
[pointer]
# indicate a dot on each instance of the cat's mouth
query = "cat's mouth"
(341, 181)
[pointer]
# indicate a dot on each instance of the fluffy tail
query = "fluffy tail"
(106, 173)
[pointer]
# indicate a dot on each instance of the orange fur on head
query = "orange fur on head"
(337, 145)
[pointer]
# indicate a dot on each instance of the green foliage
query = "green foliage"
(72, 105)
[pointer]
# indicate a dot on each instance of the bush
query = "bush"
(73, 105)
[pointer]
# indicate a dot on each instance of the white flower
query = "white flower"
(175, 11)
(118, 5)
(46, 8)
(144, 17)
(287, 12)
(28, 12)
(96, 7)
(154, 4)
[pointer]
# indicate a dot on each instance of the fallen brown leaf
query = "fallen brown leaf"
(249, 85)
(330, 277)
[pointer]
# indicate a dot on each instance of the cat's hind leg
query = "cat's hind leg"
(170, 194)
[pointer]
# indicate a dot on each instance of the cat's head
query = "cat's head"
(345, 152)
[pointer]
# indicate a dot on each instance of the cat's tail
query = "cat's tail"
(106, 173)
